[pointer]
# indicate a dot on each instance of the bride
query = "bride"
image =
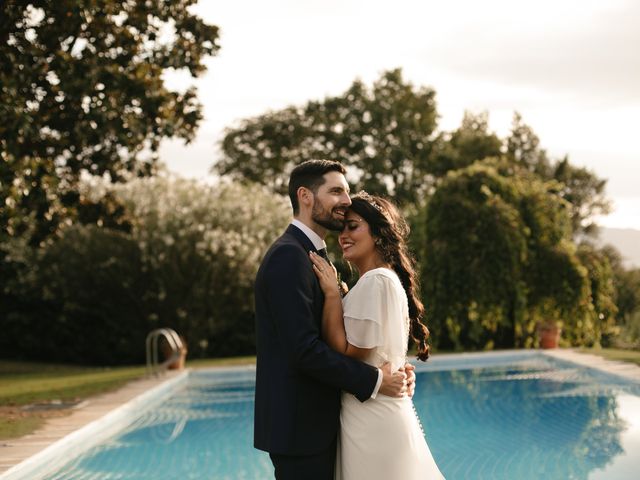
(381, 438)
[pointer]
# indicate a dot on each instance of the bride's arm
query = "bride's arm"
(333, 331)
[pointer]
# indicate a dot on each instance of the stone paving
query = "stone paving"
(627, 370)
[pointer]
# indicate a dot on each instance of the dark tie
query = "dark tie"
(323, 253)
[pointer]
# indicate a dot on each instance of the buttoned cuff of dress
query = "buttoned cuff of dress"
(378, 383)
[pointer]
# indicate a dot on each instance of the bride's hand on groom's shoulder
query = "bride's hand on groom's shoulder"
(326, 273)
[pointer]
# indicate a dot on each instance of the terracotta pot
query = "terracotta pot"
(549, 335)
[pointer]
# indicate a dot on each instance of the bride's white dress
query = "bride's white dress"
(381, 438)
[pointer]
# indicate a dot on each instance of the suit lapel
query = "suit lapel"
(299, 235)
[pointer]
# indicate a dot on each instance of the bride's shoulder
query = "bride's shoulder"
(381, 273)
(380, 276)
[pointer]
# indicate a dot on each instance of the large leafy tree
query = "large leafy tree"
(385, 132)
(586, 194)
(498, 257)
(470, 142)
(82, 90)
(584, 191)
(523, 148)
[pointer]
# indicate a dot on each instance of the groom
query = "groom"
(298, 377)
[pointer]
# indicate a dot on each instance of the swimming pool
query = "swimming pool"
(515, 416)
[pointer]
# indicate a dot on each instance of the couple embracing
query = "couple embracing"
(333, 389)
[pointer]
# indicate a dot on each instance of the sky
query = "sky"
(570, 67)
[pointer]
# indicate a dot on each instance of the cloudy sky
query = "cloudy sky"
(570, 67)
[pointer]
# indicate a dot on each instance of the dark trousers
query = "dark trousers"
(319, 466)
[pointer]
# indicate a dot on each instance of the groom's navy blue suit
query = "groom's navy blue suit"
(298, 377)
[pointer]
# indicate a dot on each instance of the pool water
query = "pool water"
(514, 417)
(533, 420)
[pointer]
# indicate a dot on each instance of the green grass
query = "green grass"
(631, 356)
(24, 383)
(18, 427)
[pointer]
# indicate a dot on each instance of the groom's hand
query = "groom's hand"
(394, 384)
(409, 369)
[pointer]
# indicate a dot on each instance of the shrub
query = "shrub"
(202, 246)
(188, 263)
(498, 258)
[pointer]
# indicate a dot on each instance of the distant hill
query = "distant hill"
(626, 240)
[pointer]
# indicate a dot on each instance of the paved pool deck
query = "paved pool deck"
(627, 370)
(15, 451)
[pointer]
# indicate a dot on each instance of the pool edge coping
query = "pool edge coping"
(626, 370)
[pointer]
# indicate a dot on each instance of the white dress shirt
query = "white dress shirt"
(311, 235)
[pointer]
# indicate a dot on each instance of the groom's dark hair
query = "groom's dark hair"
(310, 174)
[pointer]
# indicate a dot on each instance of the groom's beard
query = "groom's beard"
(325, 218)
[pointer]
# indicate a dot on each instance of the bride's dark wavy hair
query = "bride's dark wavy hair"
(390, 231)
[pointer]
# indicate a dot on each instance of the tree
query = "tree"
(523, 148)
(584, 191)
(498, 257)
(82, 91)
(597, 316)
(472, 141)
(586, 194)
(626, 283)
(384, 132)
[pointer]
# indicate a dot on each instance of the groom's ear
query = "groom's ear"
(305, 196)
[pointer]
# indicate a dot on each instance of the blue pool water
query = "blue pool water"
(513, 417)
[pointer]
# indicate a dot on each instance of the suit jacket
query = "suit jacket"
(299, 378)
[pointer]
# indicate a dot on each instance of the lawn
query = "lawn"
(26, 383)
(631, 356)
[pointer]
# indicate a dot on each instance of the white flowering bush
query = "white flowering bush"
(202, 246)
(188, 262)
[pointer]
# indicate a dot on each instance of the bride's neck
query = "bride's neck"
(370, 263)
